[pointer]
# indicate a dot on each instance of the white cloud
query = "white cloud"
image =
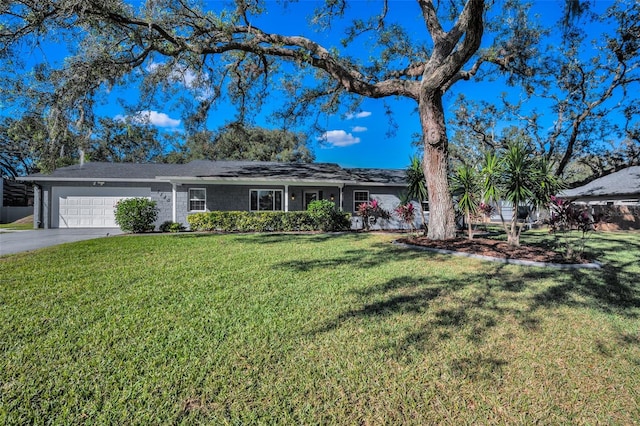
(155, 118)
(358, 129)
(361, 114)
(339, 138)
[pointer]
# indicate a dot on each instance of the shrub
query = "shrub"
(170, 226)
(136, 214)
(326, 217)
(242, 221)
(298, 221)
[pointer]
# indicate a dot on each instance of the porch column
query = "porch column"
(46, 211)
(286, 198)
(37, 206)
(173, 202)
(342, 197)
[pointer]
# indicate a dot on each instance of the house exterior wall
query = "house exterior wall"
(160, 193)
(237, 197)
(388, 198)
(232, 198)
(182, 205)
(324, 193)
(221, 197)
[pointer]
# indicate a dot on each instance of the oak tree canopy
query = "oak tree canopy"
(224, 54)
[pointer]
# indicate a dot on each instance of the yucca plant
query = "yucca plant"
(490, 173)
(417, 186)
(548, 184)
(519, 180)
(518, 177)
(466, 187)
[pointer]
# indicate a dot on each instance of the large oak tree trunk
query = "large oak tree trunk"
(435, 165)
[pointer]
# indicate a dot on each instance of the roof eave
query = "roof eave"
(85, 179)
(378, 184)
(252, 181)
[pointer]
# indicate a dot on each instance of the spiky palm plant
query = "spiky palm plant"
(465, 186)
(417, 186)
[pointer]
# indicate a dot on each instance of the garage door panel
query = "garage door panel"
(89, 207)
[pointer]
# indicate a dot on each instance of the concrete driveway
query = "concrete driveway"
(19, 241)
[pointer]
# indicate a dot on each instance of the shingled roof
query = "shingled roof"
(223, 170)
(262, 170)
(380, 176)
(96, 170)
(622, 183)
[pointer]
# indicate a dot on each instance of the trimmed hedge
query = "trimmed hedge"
(241, 221)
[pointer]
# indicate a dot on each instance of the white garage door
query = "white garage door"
(89, 207)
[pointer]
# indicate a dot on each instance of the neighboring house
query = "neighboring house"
(619, 188)
(85, 195)
(615, 197)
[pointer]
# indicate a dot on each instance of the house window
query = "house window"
(425, 206)
(359, 197)
(310, 196)
(265, 200)
(197, 199)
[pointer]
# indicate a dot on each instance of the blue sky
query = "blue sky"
(360, 139)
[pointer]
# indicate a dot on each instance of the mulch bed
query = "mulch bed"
(492, 248)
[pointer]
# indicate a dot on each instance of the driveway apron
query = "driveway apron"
(21, 241)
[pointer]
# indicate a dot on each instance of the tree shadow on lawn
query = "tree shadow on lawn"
(194, 234)
(603, 245)
(272, 237)
(377, 254)
(598, 245)
(472, 303)
(612, 289)
(476, 300)
(288, 237)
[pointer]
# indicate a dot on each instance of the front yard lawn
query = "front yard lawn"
(314, 329)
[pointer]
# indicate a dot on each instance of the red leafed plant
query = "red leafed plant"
(407, 214)
(567, 217)
(371, 212)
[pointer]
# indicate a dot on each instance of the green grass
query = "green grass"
(17, 226)
(314, 329)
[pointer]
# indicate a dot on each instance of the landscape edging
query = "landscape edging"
(592, 265)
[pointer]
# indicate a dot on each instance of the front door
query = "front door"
(310, 196)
